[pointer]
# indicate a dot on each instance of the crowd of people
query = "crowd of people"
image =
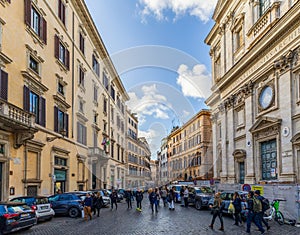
(255, 208)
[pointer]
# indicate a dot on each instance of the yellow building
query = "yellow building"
(60, 99)
(189, 149)
(137, 156)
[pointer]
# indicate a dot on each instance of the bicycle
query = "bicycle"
(274, 212)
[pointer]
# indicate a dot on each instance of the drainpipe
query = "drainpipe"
(73, 45)
(25, 168)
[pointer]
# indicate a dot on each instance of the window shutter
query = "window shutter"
(84, 135)
(59, 9)
(78, 132)
(43, 26)
(27, 13)
(42, 112)
(56, 47)
(55, 119)
(63, 13)
(66, 119)
(3, 85)
(26, 102)
(67, 59)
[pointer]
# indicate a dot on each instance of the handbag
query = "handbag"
(231, 208)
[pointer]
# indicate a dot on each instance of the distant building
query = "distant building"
(189, 149)
(137, 156)
(255, 101)
(162, 157)
(154, 173)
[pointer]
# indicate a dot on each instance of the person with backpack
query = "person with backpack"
(257, 209)
(265, 206)
(217, 208)
(252, 208)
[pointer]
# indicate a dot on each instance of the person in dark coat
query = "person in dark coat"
(153, 199)
(139, 198)
(237, 203)
(87, 206)
(251, 214)
(128, 196)
(98, 203)
(113, 199)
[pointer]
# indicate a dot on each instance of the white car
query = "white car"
(40, 204)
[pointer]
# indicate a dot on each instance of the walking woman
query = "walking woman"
(98, 203)
(171, 196)
(128, 196)
(217, 211)
(237, 208)
(153, 200)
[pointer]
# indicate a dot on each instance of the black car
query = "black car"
(200, 196)
(15, 216)
(66, 204)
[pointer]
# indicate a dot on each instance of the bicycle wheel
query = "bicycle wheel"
(279, 218)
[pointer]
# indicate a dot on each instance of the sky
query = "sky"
(158, 49)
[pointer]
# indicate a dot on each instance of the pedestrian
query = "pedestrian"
(113, 199)
(181, 193)
(153, 199)
(171, 197)
(251, 216)
(164, 195)
(157, 193)
(217, 208)
(98, 203)
(261, 198)
(139, 198)
(186, 196)
(87, 207)
(237, 203)
(128, 195)
(258, 213)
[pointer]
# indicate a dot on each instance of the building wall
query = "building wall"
(255, 92)
(44, 155)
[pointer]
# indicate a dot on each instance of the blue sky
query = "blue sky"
(158, 49)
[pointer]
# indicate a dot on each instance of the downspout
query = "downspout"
(25, 170)
(73, 45)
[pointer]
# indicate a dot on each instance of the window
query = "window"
(95, 118)
(61, 121)
(60, 88)
(35, 21)
(96, 65)
(95, 93)
(34, 64)
(105, 81)
(238, 38)
(263, 6)
(62, 12)
(81, 76)
(35, 104)
(81, 43)
(81, 106)
(60, 161)
(62, 53)
(81, 133)
(3, 84)
(112, 92)
(112, 115)
(104, 105)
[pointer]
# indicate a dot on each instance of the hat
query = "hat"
(257, 192)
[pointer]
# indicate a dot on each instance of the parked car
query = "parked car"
(200, 196)
(121, 191)
(40, 204)
(15, 216)
(82, 195)
(66, 204)
(227, 197)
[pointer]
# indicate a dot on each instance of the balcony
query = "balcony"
(18, 121)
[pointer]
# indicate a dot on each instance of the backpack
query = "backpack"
(265, 204)
(257, 205)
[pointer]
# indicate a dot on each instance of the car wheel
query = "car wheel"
(198, 205)
(73, 212)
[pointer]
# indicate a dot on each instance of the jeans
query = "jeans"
(139, 204)
(154, 204)
(216, 214)
(257, 221)
(112, 205)
(129, 205)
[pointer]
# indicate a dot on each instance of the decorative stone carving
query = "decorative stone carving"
(286, 62)
(21, 138)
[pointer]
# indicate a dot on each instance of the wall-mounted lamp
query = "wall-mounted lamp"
(63, 133)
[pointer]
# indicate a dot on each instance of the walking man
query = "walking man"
(139, 198)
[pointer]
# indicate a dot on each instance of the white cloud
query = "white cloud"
(151, 103)
(195, 83)
(201, 9)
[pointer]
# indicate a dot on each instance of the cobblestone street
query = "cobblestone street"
(131, 222)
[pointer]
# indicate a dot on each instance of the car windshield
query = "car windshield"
(28, 201)
(206, 190)
(17, 209)
(43, 200)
